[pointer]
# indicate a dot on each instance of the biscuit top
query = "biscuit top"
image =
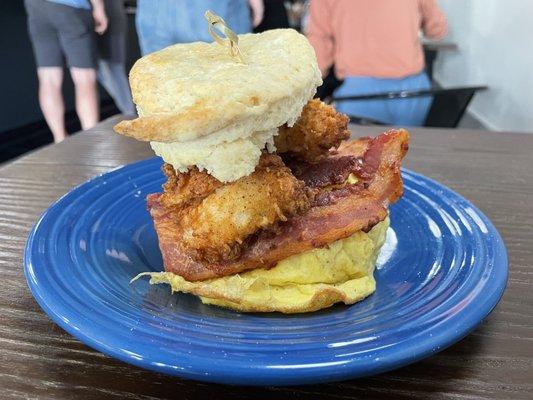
(188, 91)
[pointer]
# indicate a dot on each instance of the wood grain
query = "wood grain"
(493, 170)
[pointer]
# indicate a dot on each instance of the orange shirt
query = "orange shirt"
(378, 38)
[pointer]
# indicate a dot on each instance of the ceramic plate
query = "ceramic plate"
(442, 270)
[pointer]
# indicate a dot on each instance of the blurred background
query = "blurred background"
(477, 58)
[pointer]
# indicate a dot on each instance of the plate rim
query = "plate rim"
(278, 376)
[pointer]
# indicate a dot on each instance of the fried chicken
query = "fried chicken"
(318, 129)
(332, 215)
(216, 219)
(186, 189)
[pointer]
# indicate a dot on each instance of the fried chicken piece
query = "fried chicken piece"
(217, 227)
(333, 214)
(319, 128)
(186, 189)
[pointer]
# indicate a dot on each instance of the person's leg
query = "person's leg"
(86, 96)
(76, 34)
(123, 92)
(49, 60)
(113, 78)
(105, 78)
(111, 71)
(51, 100)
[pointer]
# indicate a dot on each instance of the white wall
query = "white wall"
(495, 39)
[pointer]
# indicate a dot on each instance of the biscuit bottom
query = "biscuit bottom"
(316, 279)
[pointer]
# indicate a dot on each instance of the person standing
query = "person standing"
(63, 29)
(112, 57)
(162, 23)
(275, 16)
(375, 48)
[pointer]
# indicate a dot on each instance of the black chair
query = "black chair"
(431, 52)
(447, 108)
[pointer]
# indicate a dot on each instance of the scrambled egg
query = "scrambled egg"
(316, 279)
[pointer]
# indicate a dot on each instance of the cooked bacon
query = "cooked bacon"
(356, 157)
(335, 214)
(333, 170)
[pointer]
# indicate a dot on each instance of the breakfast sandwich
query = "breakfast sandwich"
(266, 206)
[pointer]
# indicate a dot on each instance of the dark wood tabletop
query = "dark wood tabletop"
(38, 360)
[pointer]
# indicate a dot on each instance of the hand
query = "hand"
(258, 11)
(100, 20)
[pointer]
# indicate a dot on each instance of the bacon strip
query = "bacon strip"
(333, 170)
(335, 214)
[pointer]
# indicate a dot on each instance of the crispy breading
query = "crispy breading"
(186, 189)
(319, 128)
(216, 227)
(332, 216)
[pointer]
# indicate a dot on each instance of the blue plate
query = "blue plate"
(441, 271)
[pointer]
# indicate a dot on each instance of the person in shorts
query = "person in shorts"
(62, 31)
(112, 58)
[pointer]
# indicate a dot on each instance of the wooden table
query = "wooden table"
(494, 170)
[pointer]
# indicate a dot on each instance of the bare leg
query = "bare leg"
(113, 78)
(51, 100)
(86, 96)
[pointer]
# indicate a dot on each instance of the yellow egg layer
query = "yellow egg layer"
(315, 279)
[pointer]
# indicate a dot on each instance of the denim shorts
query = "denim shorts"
(398, 112)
